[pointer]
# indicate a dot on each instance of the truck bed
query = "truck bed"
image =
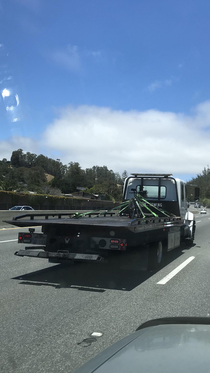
(93, 237)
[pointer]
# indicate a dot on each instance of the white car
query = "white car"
(203, 211)
(21, 208)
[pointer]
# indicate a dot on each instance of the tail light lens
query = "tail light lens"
(118, 244)
(24, 237)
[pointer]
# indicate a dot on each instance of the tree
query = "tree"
(202, 181)
(41, 161)
(74, 177)
(118, 178)
(109, 189)
(31, 169)
(4, 168)
(90, 177)
(10, 181)
(35, 177)
(17, 158)
(124, 174)
(30, 159)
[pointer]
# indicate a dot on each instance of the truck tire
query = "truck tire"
(189, 241)
(193, 231)
(155, 255)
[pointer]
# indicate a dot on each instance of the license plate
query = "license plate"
(85, 256)
(26, 240)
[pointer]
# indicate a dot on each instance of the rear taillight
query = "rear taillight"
(118, 244)
(114, 241)
(24, 237)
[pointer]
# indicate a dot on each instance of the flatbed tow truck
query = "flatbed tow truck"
(152, 219)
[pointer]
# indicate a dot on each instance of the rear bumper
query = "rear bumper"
(59, 256)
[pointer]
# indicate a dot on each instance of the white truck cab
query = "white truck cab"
(164, 191)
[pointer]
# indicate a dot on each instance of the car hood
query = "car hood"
(161, 348)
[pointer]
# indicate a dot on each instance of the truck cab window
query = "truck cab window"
(151, 191)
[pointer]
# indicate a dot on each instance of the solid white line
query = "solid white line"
(8, 241)
(198, 221)
(175, 271)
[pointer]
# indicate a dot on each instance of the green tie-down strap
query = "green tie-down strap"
(138, 204)
(140, 208)
(122, 207)
(142, 201)
(78, 215)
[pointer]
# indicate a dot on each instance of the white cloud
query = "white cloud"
(68, 58)
(147, 141)
(17, 142)
(202, 115)
(77, 59)
(153, 86)
(159, 84)
(136, 141)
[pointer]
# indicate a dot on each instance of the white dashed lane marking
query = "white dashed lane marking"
(8, 241)
(175, 271)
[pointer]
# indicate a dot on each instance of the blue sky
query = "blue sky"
(99, 82)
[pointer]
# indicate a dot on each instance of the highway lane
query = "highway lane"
(48, 313)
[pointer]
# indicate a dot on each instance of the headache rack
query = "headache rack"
(136, 174)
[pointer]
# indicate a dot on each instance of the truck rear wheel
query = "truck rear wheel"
(189, 240)
(155, 255)
(193, 232)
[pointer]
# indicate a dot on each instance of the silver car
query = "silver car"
(164, 345)
(21, 208)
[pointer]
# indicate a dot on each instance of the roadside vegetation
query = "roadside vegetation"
(28, 172)
(202, 181)
(38, 174)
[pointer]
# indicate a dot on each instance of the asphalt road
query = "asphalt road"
(48, 312)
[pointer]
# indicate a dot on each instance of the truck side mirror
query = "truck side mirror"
(197, 193)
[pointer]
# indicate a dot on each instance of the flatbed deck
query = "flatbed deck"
(28, 220)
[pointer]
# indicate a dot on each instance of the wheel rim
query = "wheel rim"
(159, 252)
